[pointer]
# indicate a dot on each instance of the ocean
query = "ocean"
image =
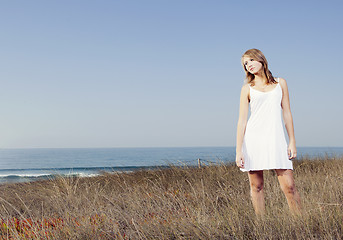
(23, 165)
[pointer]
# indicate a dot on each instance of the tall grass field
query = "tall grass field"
(211, 202)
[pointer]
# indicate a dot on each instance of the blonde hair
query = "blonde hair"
(257, 55)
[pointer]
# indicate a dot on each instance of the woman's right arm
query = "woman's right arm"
(242, 122)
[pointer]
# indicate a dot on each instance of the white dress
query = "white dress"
(264, 144)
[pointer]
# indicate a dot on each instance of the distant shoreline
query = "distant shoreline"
(25, 165)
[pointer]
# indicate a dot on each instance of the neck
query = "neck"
(259, 77)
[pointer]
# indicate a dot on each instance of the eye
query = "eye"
(251, 59)
(245, 63)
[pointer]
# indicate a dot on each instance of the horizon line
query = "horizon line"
(23, 148)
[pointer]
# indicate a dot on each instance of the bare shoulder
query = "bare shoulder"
(245, 88)
(283, 83)
(245, 92)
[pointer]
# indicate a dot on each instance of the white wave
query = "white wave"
(23, 175)
(81, 174)
(36, 175)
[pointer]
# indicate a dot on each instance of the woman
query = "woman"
(261, 143)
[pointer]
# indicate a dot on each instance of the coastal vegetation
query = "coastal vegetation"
(211, 202)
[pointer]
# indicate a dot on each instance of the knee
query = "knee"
(289, 189)
(256, 187)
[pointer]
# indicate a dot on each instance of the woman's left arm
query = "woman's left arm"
(288, 119)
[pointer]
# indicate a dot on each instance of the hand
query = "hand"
(240, 160)
(292, 151)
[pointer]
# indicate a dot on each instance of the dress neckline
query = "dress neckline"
(266, 91)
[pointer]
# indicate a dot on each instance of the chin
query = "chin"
(256, 72)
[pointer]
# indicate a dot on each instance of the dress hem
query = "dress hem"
(248, 170)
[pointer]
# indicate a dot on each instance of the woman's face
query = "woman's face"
(251, 65)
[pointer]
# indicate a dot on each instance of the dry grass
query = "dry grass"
(212, 202)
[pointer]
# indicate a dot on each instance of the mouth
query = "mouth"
(250, 69)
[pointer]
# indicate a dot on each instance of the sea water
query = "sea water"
(22, 165)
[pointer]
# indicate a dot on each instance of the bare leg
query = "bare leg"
(287, 184)
(256, 190)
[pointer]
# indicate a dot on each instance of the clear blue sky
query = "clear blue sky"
(159, 73)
